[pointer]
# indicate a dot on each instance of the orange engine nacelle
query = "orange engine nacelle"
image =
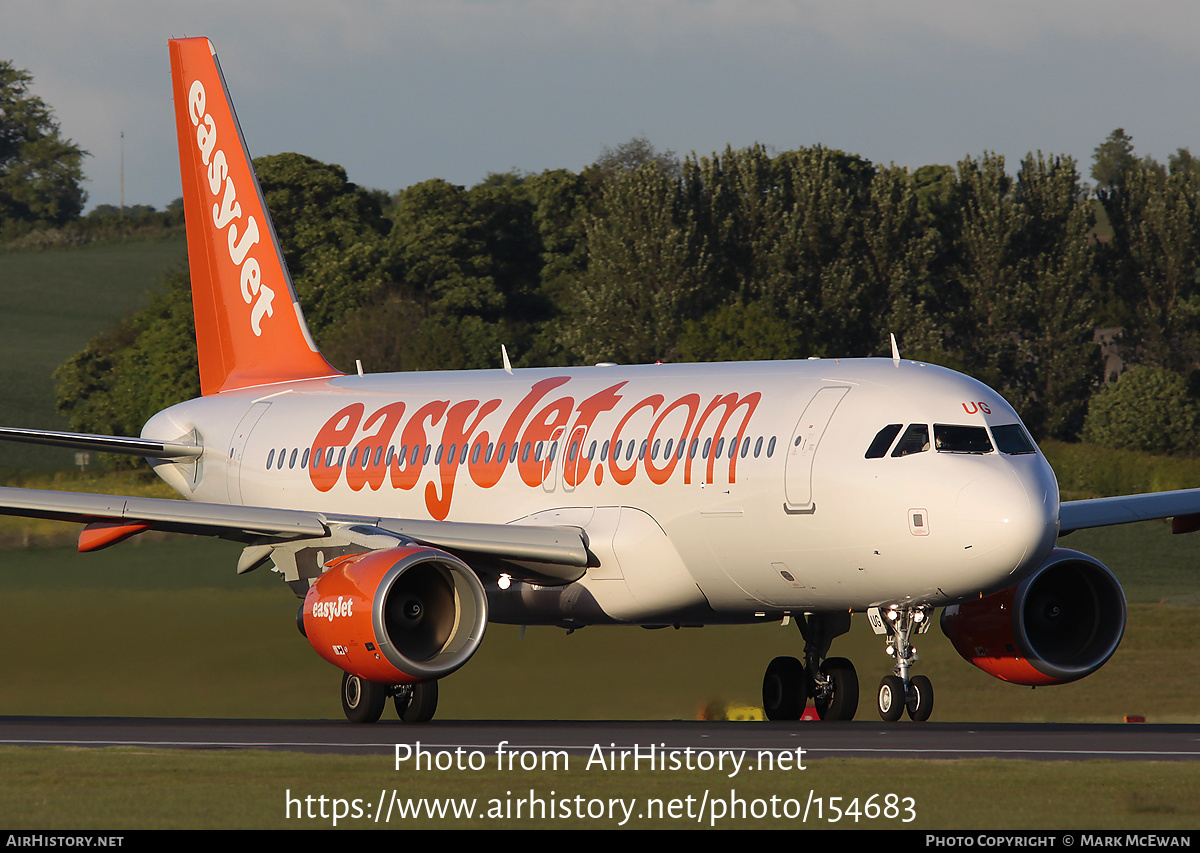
(397, 616)
(1061, 623)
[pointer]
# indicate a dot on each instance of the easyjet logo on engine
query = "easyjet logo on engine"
(227, 211)
(544, 435)
(333, 609)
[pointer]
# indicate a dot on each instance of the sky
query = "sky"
(404, 91)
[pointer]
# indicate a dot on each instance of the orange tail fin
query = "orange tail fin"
(249, 327)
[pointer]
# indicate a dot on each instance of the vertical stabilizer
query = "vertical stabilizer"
(249, 327)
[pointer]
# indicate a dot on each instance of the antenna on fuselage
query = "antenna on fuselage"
(895, 350)
(507, 363)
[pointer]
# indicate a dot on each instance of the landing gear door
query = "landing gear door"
(802, 449)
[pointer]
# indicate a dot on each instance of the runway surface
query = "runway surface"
(1051, 742)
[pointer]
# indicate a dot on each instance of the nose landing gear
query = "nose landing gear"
(901, 692)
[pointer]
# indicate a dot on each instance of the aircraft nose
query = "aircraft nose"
(1003, 527)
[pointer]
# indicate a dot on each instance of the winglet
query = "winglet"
(249, 326)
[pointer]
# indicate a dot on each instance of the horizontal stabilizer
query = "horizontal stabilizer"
(104, 443)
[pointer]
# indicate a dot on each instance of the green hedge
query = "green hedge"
(1084, 471)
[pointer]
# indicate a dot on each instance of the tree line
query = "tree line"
(742, 254)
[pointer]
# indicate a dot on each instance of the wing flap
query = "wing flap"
(566, 546)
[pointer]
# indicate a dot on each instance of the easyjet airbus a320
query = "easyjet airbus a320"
(407, 510)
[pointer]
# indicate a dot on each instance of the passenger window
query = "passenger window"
(882, 441)
(304, 459)
(914, 440)
(771, 447)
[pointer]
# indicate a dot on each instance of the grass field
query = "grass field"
(78, 630)
(140, 789)
(51, 304)
(165, 628)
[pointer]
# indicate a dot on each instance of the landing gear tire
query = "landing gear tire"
(919, 702)
(416, 703)
(841, 701)
(785, 689)
(891, 698)
(362, 700)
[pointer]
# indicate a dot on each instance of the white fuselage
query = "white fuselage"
(771, 507)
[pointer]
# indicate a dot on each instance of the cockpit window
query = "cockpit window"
(883, 440)
(1012, 439)
(914, 440)
(948, 438)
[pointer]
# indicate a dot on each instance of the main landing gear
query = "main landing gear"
(363, 701)
(900, 692)
(831, 682)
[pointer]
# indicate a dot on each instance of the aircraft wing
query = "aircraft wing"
(1125, 509)
(123, 516)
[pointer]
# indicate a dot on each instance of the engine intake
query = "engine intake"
(396, 616)
(1061, 623)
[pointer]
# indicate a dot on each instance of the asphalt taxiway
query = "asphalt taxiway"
(1048, 741)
